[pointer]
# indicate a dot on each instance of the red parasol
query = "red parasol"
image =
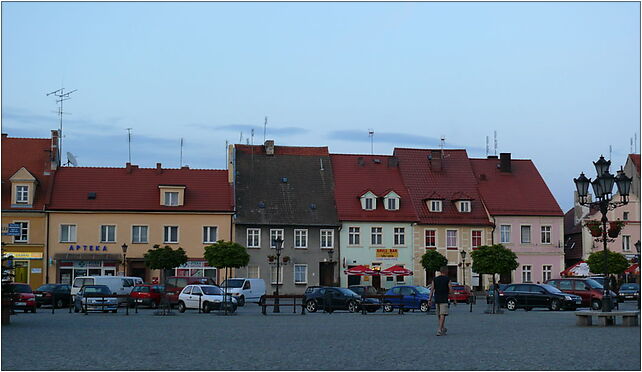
(633, 269)
(396, 270)
(361, 270)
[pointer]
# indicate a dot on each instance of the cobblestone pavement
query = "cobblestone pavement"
(519, 340)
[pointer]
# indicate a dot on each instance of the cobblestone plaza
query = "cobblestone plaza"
(520, 340)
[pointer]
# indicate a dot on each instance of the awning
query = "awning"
(361, 270)
(579, 269)
(633, 269)
(396, 270)
(88, 257)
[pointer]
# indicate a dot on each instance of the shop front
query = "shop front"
(72, 265)
(27, 266)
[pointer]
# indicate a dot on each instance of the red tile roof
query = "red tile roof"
(118, 190)
(455, 178)
(352, 180)
(286, 150)
(635, 158)
(32, 154)
(521, 192)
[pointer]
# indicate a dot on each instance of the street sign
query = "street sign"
(12, 229)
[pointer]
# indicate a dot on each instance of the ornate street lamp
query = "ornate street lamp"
(278, 246)
(602, 188)
(124, 247)
(463, 264)
(637, 248)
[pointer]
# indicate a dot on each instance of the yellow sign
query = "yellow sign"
(24, 255)
(387, 253)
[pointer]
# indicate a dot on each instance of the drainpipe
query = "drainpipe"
(47, 248)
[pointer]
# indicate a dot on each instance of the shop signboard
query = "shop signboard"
(25, 255)
(11, 229)
(387, 254)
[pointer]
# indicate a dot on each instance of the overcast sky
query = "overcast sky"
(559, 82)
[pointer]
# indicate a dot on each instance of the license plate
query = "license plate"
(578, 301)
(21, 303)
(628, 296)
(39, 294)
(139, 300)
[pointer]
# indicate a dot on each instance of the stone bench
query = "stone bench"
(585, 318)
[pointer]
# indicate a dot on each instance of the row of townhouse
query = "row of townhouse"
(333, 211)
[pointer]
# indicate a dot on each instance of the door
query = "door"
(21, 271)
(376, 281)
(194, 297)
(139, 272)
(395, 292)
(581, 289)
(339, 300)
(326, 273)
(409, 298)
(538, 297)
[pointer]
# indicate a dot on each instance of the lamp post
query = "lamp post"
(637, 248)
(124, 247)
(602, 188)
(278, 246)
(463, 264)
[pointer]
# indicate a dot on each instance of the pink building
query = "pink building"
(525, 214)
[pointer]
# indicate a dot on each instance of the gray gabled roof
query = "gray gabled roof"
(288, 188)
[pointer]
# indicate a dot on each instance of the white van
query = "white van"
(118, 285)
(244, 289)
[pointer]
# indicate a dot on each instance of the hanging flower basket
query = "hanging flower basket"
(286, 259)
(594, 227)
(615, 228)
(271, 258)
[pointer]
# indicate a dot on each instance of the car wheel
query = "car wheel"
(387, 307)
(352, 307)
(596, 304)
(181, 307)
(555, 305)
(241, 301)
(311, 306)
(206, 307)
(60, 303)
(423, 307)
(511, 304)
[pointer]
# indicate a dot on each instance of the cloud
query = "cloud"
(247, 129)
(396, 139)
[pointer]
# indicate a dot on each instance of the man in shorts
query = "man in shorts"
(439, 291)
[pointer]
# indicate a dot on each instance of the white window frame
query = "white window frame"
(464, 206)
(22, 194)
(274, 234)
(546, 234)
(324, 234)
(527, 273)
(354, 236)
(305, 281)
(372, 205)
(255, 233)
(70, 239)
(472, 238)
(167, 234)
(141, 241)
(300, 236)
(394, 202)
(23, 233)
(448, 245)
(273, 274)
(547, 272)
(521, 234)
(436, 206)
(104, 234)
(504, 231)
(209, 234)
(168, 200)
(626, 243)
(374, 234)
(399, 236)
(258, 271)
(425, 243)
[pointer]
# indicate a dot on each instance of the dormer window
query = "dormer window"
(171, 199)
(22, 194)
(172, 196)
(23, 186)
(435, 205)
(391, 201)
(464, 206)
(368, 201)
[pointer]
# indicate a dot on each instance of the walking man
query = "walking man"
(439, 291)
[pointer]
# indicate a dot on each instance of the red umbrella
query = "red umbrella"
(396, 270)
(361, 270)
(633, 269)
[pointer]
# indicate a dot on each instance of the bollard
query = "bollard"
(471, 299)
(303, 306)
(199, 304)
(53, 302)
(294, 306)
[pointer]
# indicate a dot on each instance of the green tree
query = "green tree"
(226, 255)
(617, 262)
(432, 261)
(493, 259)
(164, 259)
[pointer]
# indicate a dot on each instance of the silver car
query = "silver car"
(88, 298)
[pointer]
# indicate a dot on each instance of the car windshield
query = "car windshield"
(211, 290)
(550, 288)
(358, 290)
(140, 288)
(233, 283)
(46, 287)
(594, 283)
(423, 290)
(346, 291)
(458, 287)
(99, 289)
(629, 286)
(22, 288)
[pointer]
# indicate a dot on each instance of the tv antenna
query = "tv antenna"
(181, 160)
(61, 97)
(371, 135)
(495, 133)
(487, 148)
(129, 142)
(71, 159)
(264, 129)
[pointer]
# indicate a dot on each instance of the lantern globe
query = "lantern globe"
(623, 183)
(582, 185)
(602, 165)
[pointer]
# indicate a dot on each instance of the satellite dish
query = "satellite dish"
(71, 159)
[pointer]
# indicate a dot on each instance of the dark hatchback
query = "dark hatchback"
(332, 298)
(58, 295)
(628, 291)
(529, 296)
(371, 304)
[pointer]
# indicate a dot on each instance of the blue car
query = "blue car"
(414, 297)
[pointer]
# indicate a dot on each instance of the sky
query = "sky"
(559, 83)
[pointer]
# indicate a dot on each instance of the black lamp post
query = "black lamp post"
(602, 188)
(124, 247)
(463, 264)
(278, 246)
(637, 248)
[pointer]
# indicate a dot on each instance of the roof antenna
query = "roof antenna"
(610, 151)
(441, 145)
(264, 129)
(129, 140)
(495, 143)
(241, 138)
(226, 151)
(181, 153)
(62, 96)
(371, 135)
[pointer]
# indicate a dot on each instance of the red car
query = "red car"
(460, 293)
(146, 295)
(175, 284)
(23, 297)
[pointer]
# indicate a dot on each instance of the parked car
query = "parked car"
(23, 297)
(104, 304)
(460, 293)
(529, 296)
(372, 304)
(490, 294)
(414, 297)
(146, 295)
(331, 298)
(590, 290)
(175, 284)
(209, 297)
(58, 295)
(629, 291)
(118, 285)
(312, 288)
(244, 289)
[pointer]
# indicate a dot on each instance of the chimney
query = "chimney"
(128, 167)
(360, 161)
(492, 157)
(504, 162)
(54, 150)
(393, 162)
(269, 147)
(159, 170)
(185, 167)
(435, 160)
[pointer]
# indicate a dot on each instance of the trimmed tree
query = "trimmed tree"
(432, 261)
(164, 259)
(617, 262)
(493, 259)
(226, 255)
